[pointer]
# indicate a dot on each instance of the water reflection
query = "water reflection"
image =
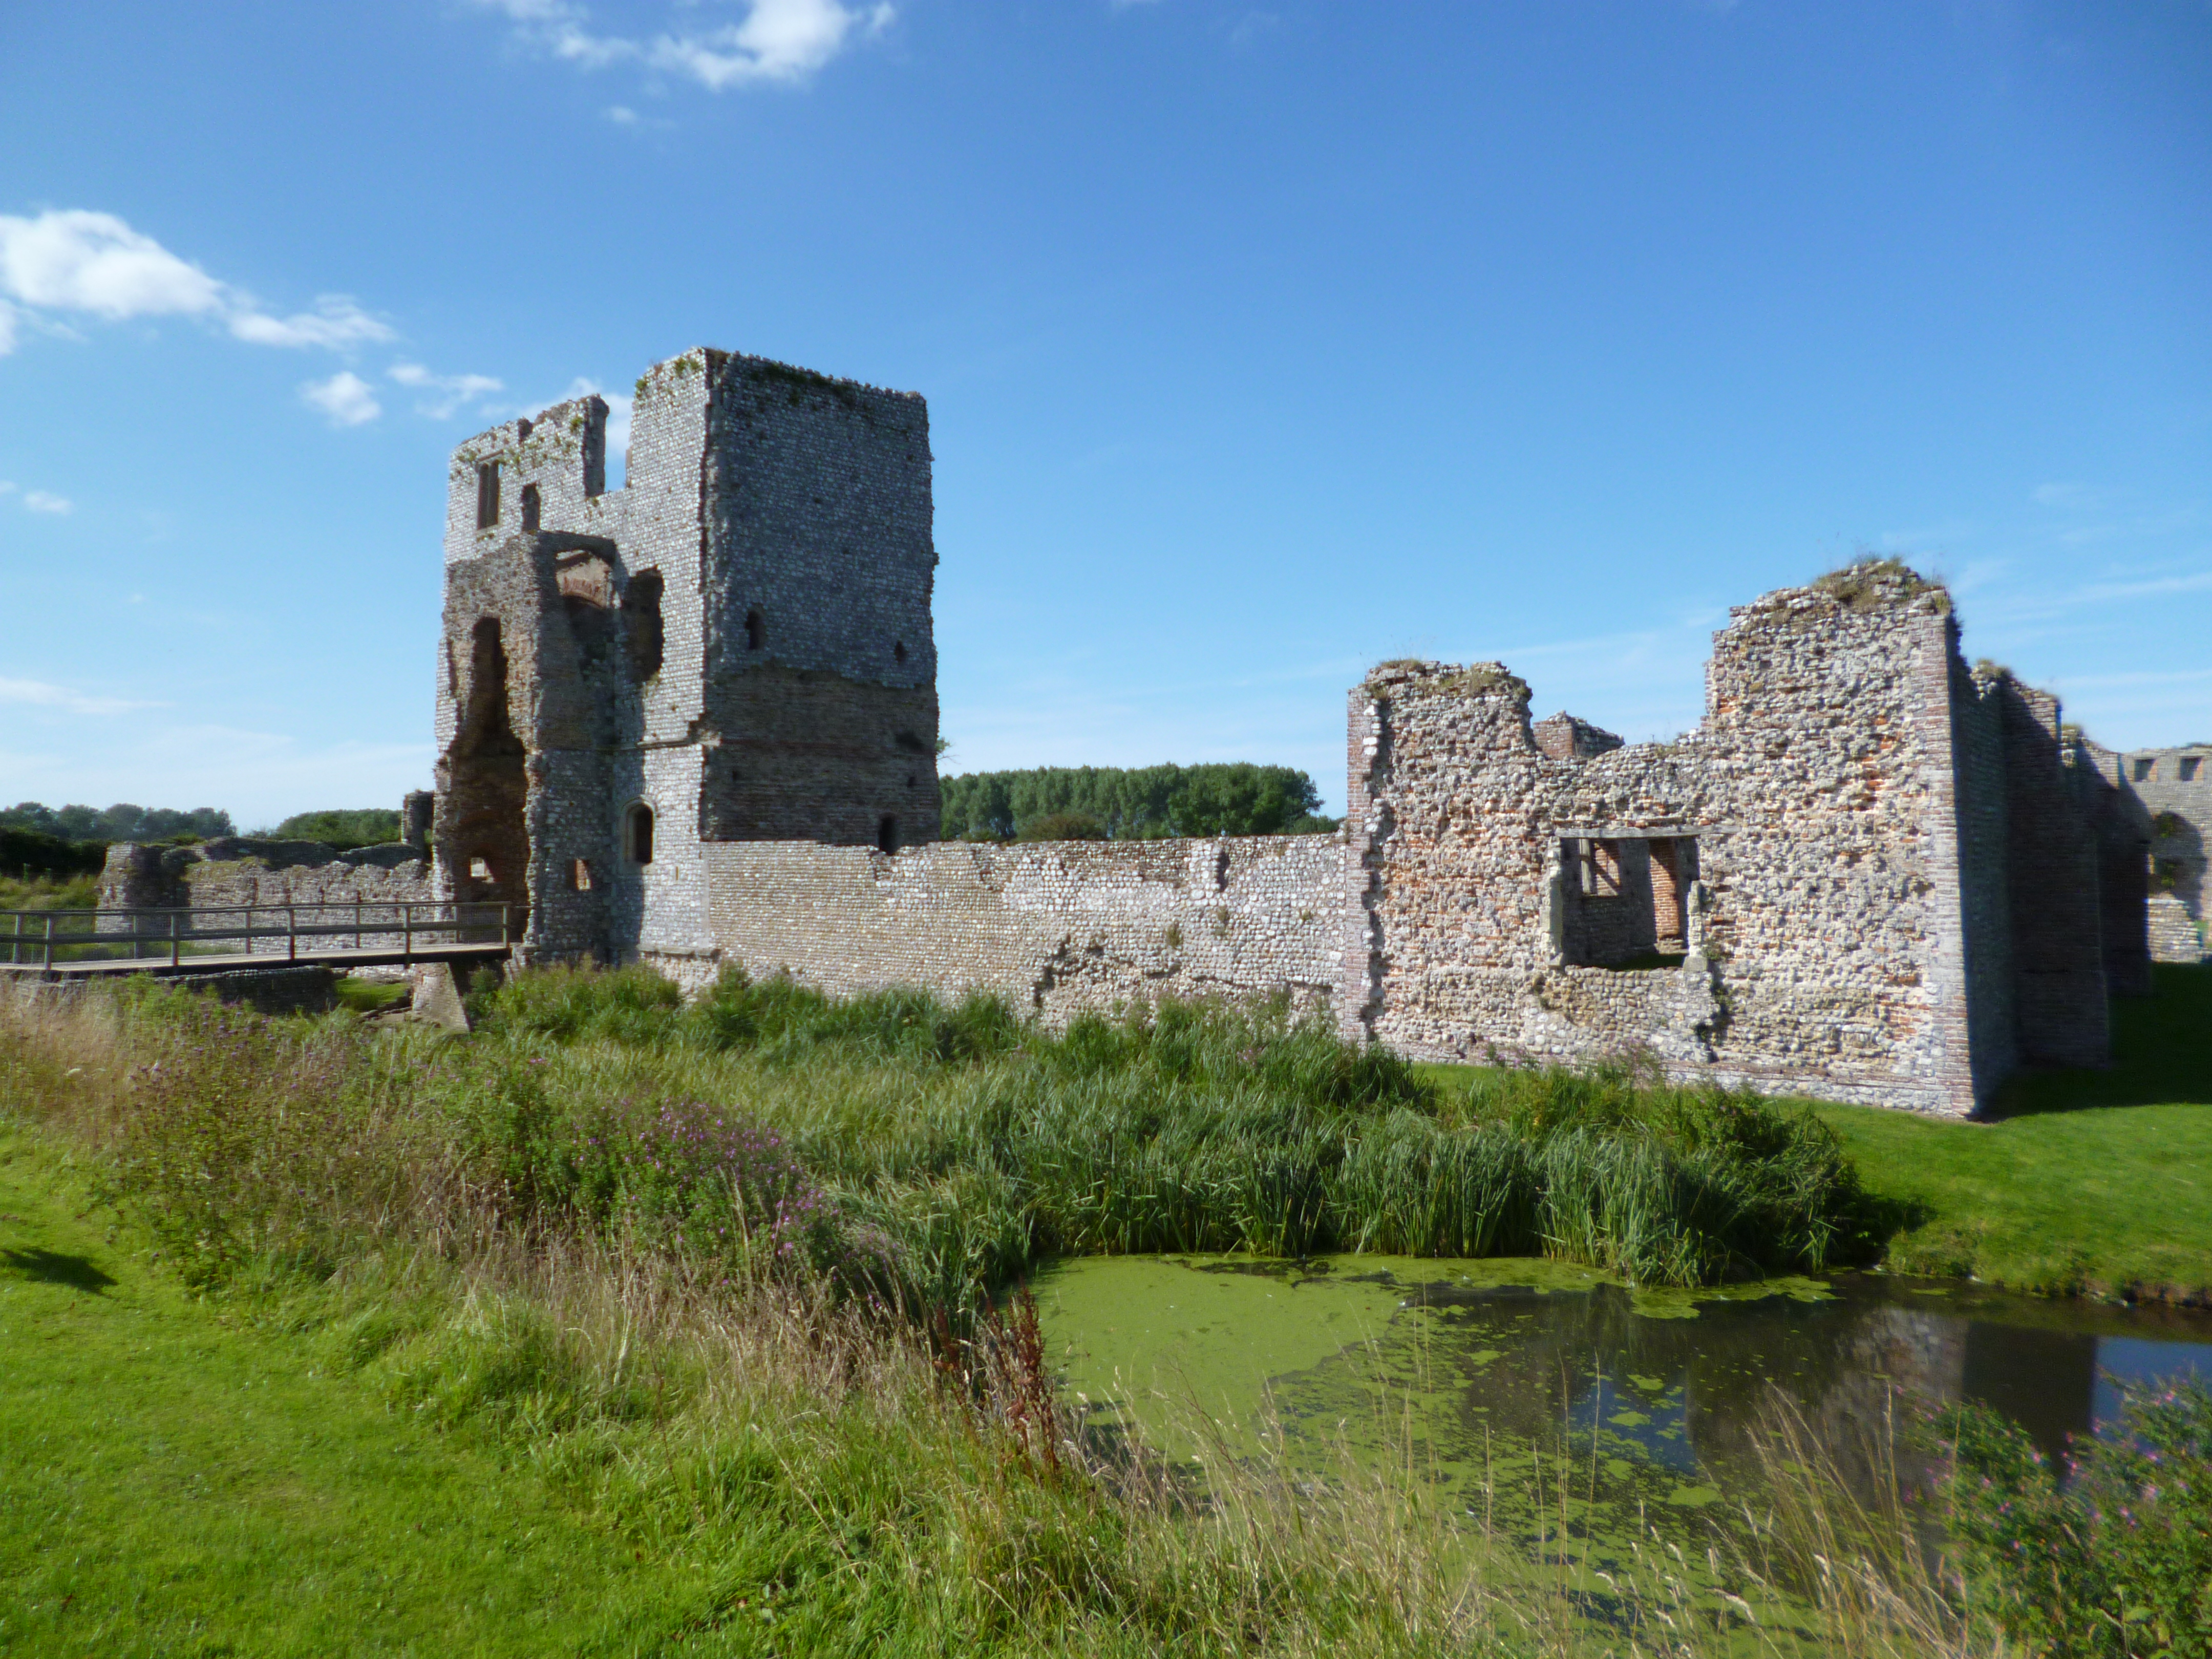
(1661, 1396)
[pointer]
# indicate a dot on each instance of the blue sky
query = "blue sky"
(1261, 343)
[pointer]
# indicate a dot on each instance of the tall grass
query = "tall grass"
(668, 1330)
(983, 1142)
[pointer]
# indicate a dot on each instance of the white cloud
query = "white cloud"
(449, 393)
(345, 398)
(782, 40)
(74, 260)
(39, 694)
(336, 322)
(82, 261)
(39, 502)
(622, 115)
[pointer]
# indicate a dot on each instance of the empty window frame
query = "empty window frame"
(641, 617)
(637, 834)
(756, 630)
(580, 875)
(480, 868)
(887, 834)
(531, 505)
(487, 494)
(2190, 765)
(2146, 769)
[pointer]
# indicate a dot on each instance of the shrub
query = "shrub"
(2112, 1562)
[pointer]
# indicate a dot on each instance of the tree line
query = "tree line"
(1143, 803)
(121, 822)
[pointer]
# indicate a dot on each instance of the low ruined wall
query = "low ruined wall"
(239, 871)
(1056, 927)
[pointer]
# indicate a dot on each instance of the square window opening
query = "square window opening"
(1625, 900)
(2189, 764)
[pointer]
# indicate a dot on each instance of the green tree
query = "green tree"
(344, 827)
(1135, 803)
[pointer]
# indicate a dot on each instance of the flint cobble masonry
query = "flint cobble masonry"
(693, 722)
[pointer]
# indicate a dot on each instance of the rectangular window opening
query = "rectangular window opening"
(579, 877)
(2188, 765)
(1625, 901)
(487, 494)
(2146, 770)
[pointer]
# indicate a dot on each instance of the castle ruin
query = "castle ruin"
(693, 722)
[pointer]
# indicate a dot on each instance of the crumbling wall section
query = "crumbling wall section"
(320, 883)
(2173, 787)
(1823, 942)
(1057, 928)
(821, 652)
(1984, 879)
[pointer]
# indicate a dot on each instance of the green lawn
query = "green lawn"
(173, 1483)
(2097, 1182)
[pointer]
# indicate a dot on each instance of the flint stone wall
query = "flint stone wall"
(1057, 927)
(780, 683)
(1838, 940)
(238, 871)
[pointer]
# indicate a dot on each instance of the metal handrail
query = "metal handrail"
(176, 927)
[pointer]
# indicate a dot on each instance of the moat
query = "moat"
(1526, 1390)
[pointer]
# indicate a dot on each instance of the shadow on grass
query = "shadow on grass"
(52, 1267)
(2161, 1055)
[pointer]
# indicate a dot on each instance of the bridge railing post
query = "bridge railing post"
(48, 963)
(176, 939)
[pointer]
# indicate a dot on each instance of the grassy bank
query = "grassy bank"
(175, 1480)
(659, 1278)
(2086, 1182)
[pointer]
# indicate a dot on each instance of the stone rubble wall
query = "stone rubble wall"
(1056, 927)
(1825, 940)
(321, 884)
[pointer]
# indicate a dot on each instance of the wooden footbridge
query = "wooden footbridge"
(223, 940)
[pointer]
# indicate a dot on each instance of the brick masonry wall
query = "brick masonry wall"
(2177, 812)
(1056, 927)
(2051, 855)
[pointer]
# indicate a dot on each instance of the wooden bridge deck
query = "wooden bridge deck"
(231, 962)
(220, 940)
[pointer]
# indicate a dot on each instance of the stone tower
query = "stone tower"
(735, 645)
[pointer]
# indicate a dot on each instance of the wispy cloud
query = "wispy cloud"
(2078, 498)
(93, 264)
(345, 398)
(447, 393)
(38, 501)
(778, 41)
(39, 694)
